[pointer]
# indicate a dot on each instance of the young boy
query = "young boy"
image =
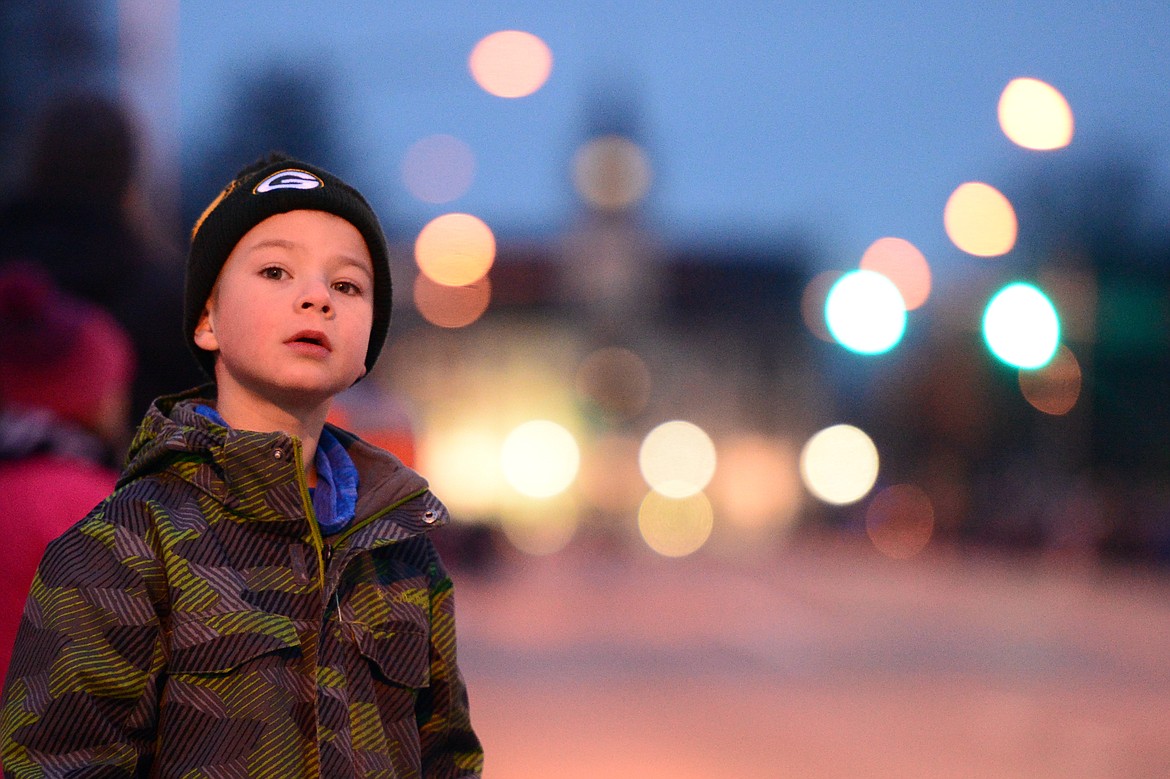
(258, 597)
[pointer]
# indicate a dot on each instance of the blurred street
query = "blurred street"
(826, 661)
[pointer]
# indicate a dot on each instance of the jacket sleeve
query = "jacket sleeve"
(450, 747)
(81, 689)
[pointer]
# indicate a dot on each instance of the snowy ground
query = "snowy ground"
(824, 661)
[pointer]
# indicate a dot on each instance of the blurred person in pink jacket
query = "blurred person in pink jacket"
(65, 373)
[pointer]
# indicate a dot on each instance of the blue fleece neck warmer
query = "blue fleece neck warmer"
(335, 496)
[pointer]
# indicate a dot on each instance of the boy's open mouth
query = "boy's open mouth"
(314, 337)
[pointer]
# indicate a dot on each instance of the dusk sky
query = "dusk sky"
(840, 122)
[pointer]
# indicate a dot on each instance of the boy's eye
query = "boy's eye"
(272, 273)
(347, 288)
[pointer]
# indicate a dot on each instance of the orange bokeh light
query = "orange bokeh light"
(451, 307)
(511, 63)
(900, 521)
(757, 484)
(1035, 115)
(980, 220)
(1055, 388)
(902, 263)
(812, 304)
(455, 249)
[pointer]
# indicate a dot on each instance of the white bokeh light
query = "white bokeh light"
(1035, 115)
(865, 312)
(1021, 326)
(540, 458)
(839, 465)
(460, 463)
(677, 459)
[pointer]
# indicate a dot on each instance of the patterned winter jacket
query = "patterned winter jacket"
(195, 624)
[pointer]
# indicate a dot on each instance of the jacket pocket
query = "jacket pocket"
(399, 652)
(221, 643)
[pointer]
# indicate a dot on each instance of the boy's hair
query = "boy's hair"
(274, 185)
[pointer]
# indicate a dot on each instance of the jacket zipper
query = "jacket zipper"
(323, 558)
(318, 542)
(325, 550)
(327, 559)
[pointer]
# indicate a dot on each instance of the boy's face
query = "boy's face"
(291, 311)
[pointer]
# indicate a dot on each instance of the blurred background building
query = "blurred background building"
(624, 220)
(707, 283)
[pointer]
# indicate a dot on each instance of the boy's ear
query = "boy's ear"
(205, 334)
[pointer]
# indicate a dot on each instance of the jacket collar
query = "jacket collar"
(255, 474)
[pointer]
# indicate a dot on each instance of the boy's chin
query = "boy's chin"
(306, 396)
(294, 393)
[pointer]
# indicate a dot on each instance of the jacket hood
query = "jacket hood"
(161, 438)
(220, 460)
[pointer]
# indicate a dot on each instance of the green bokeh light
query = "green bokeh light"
(865, 312)
(1021, 326)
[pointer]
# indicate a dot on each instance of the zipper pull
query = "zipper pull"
(327, 558)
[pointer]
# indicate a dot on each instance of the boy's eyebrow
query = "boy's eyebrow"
(285, 243)
(280, 243)
(359, 263)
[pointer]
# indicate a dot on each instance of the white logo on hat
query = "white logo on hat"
(289, 179)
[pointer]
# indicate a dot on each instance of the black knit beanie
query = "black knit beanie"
(270, 186)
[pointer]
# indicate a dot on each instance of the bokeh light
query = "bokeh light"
(865, 312)
(1054, 388)
(757, 484)
(510, 63)
(455, 249)
(438, 168)
(461, 463)
(1021, 326)
(677, 459)
(900, 521)
(611, 172)
(1035, 115)
(980, 220)
(675, 527)
(541, 528)
(540, 458)
(839, 465)
(812, 303)
(616, 379)
(451, 307)
(902, 263)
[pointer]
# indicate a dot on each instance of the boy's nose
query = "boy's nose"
(316, 295)
(310, 304)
